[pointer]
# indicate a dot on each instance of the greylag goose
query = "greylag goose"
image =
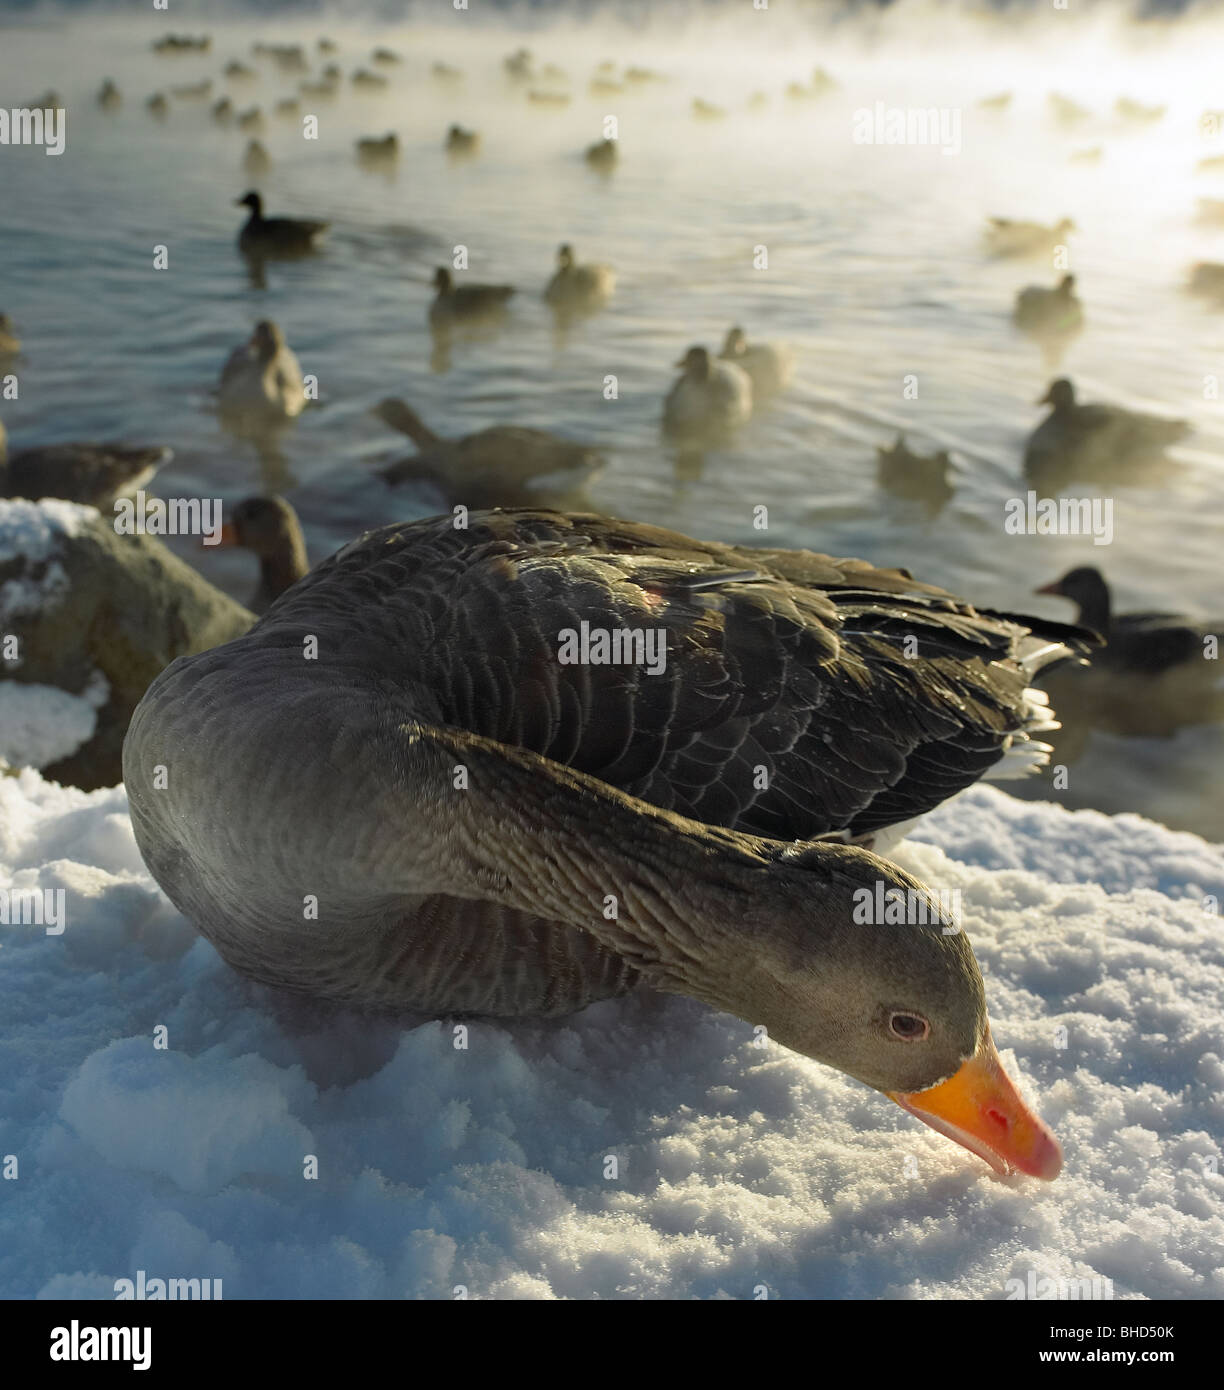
(1207, 279)
(276, 236)
(261, 382)
(92, 474)
(1095, 440)
(462, 142)
(97, 614)
(1044, 313)
(1154, 675)
(603, 155)
(916, 477)
(1005, 237)
(457, 303)
(109, 96)
(579, 288)
(269, 527)
(502, 466)
(770, 366)
(469, 776)
(255, 158)
(10, 343)
(710, 399)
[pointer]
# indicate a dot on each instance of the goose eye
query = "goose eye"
(909, 1027)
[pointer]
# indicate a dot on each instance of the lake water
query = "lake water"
(876, 272)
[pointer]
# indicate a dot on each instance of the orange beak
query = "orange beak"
(229, 534)
(981, 1109)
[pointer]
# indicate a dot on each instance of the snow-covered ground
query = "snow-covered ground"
(643, 1149)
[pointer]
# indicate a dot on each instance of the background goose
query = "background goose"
(256, 159)
(1005, 237)
(1154, 675)
(440, 652)
(1207, 279)
(276, 235)
(1095, 440)
(454, 303)
(269, 527)
(460, 141)
(109, 96)
(1049, 313)
(10, 343)
(711, 398)
(374, 149)
(579, 288)
(91, 474)
(502, 466)
(603, 155)
(261, 383)
(157, 105)
(251, 121)
(770, 366)
(917, 477)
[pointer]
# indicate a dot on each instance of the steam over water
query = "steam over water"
(876, 273)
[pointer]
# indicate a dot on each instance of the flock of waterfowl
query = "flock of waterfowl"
(462, 801)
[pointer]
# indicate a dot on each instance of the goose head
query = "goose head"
(253, 201)
(1085, 586)
(565, 256)
(1066, 286)
(736, 344)
(268, 338)
(696, 364)
(1060, 396)
(443, 281)
(266, 525)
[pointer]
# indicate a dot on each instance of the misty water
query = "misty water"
(876, 273)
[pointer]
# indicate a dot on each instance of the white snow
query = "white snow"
(30, 534)
(487, 1167)
(40, 724)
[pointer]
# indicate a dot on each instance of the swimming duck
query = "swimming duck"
(326, 45)
(443, 651)
(603, 155)
(93, 475)
(288, 106)
(372, 150)
(10, 343)
(519, 66)
(1095, 440)
(276, 236)
(182, 43)
(256, 159)
(502, 466)
(916, 477)
(579, 288)
(109, 96)
(368, 81)
(157, 106)
(711, 398)
(236, 71)
(770, 366)
(1153, 676)
(268, 526)
(1000, 102)
(223, 111)
(1005, 237)
(1132, 110)
(1207, 278)
(1065, 111)
(193, 91)
(456, 303)
(605, 87)
(542, 98)
(251, 121)
(707, 111)
(1045, 313)
(261, 382)
(460, 141)
(386, 57)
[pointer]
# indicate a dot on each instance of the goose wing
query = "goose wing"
(799, 695)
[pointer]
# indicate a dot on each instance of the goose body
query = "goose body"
(502, 466)
(460, 141)
(261, 382)
(769, 365)
(459, 303)
(268, 236)
(579, 288)
(441, 668)
(374, 150)
(1048, 313)
(916, 477)
(269, 527)
(603, 155)
(1095, 440)
(93, 475)
(711, 399)
(1006, 237)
